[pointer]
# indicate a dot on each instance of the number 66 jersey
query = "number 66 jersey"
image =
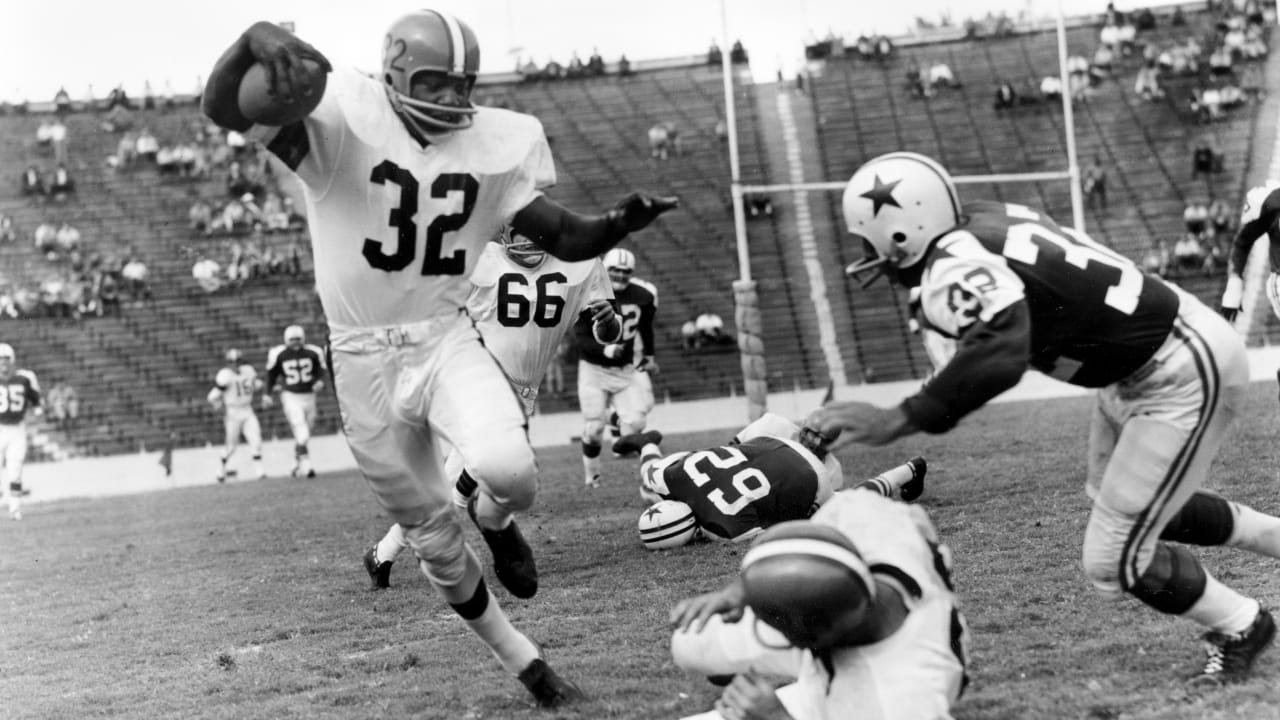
(1095, 317)
(398, 221)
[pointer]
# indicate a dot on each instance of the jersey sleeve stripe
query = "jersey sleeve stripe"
(291, 145)
(899, 579)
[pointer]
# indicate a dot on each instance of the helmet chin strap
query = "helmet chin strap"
(424, 114)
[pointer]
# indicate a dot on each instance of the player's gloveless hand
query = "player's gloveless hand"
(692, 614)
(750, 697)
(635, 211)
(281, 54)
(846, 423)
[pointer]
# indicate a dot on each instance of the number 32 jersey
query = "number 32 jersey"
(736, 491)
(1095, 317)
(397, 225)
(523, 313)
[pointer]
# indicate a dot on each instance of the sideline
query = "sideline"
(141, 472)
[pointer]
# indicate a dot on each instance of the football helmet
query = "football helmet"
(667, 524)
(809, 582)
(295, 336)
(234, 356)
(429, 41)
(7, 357)
(897, 204)
(522, 251)
(621, 265)
(1253, 201)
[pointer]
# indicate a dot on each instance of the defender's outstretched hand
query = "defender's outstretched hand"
(635, 211)
(844, 423)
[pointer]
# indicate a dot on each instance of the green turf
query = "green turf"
(249, 601)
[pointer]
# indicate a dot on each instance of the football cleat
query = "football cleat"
(512, 556)
(914, 488)
(632, 444)
(549, 689)
(311, 473)
(1228, 658)
(592, 482)
(379, 572)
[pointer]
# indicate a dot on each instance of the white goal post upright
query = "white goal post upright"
(746, 312)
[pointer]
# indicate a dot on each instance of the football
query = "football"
(262, 108)
(667, 524)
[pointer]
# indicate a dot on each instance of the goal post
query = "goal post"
(746, 299)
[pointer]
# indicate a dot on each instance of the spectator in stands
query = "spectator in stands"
(206, 272)
(915, 80)
(689, 334)
(1051, 88)
(58, 137)
(1220, 62)
(1094, 184)
(1255, 43)
(1109, 36)
(126, 151)
(1196, 219)
(106, 292)
(33, 182)
(236, 142)
(1207, 104)
(44, 134)
(119, 98)
(167, 160)
(274, 216)
(1006, 97)
(134, 278)
(660, 144)
(237, 183)
(62, 183)
(714, 56)
(146, 145)
(711, 330)
(1156, 258)
(553, 70)
(595, 63)
(46, 239)
(722, 130)
(1147, 84)
(64, 405)
(1078, 77)
(737, 53)
(1144, 20)
(296, 219)
(1178, 19)
(67, 238)
(624, 67)
(7, 232)
(759, 205)
(1189, 255)
(883, 48)
(576, 69)
(200, 216)
(940, 76)
(62, 101)
(1251, 82)
(1127, 34)
(293, 258)
(1102, 65)
(8, 305)
(1221, 220)
(1203, 158)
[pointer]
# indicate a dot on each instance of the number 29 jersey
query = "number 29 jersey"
(523, 313)
(1095, 316)
(736, 491)
(396, 224)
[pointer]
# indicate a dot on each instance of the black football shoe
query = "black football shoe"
(914, 488)
(549, 689)
(1228, 658)
(632, 444)
(379, 572)
(512, 556)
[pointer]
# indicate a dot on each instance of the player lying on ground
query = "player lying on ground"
(766, 475)
(523, 303)
(1014, 291)
(853, 613)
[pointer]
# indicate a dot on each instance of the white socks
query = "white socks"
(391, 544)
(1222, 609)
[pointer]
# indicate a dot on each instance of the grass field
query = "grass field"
(249, 600)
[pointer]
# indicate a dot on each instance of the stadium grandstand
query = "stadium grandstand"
(143, 363)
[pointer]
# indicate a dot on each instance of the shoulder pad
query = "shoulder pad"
(225, 377)
(319, 352)
(30, 377)
(498, 140)
(274, 354)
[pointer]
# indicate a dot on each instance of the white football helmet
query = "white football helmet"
(809, 582)
(234, 356)
(667, 524)
(621, 265)
(429, 41)
(295, 336)
(898, 204)
(7, 358)
(522, 251)
(1253, 201)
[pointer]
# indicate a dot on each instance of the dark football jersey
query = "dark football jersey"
(636, 305)
(1260, 215)
(736, 489)
(1095, 316)
(296, 369)
(18, 394)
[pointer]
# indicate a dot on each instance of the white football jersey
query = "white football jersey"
(237, 386)
(523, 313)
(396, 226)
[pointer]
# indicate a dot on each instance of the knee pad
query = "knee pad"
(440, 547)
(1206, 520)
(509, 474)
(1173, 582)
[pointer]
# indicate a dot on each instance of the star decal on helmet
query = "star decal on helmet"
(651, 512)
(881, 195)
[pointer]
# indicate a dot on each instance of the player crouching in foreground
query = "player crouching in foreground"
(769, 473)
(853, 611)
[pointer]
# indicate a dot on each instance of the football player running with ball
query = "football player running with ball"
(854, 611)
(295, 370)
(232, 394)
(405, 182)
(523, 303)
(19, 395)
(1016, 291)
(617, 374)
(770, 473)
